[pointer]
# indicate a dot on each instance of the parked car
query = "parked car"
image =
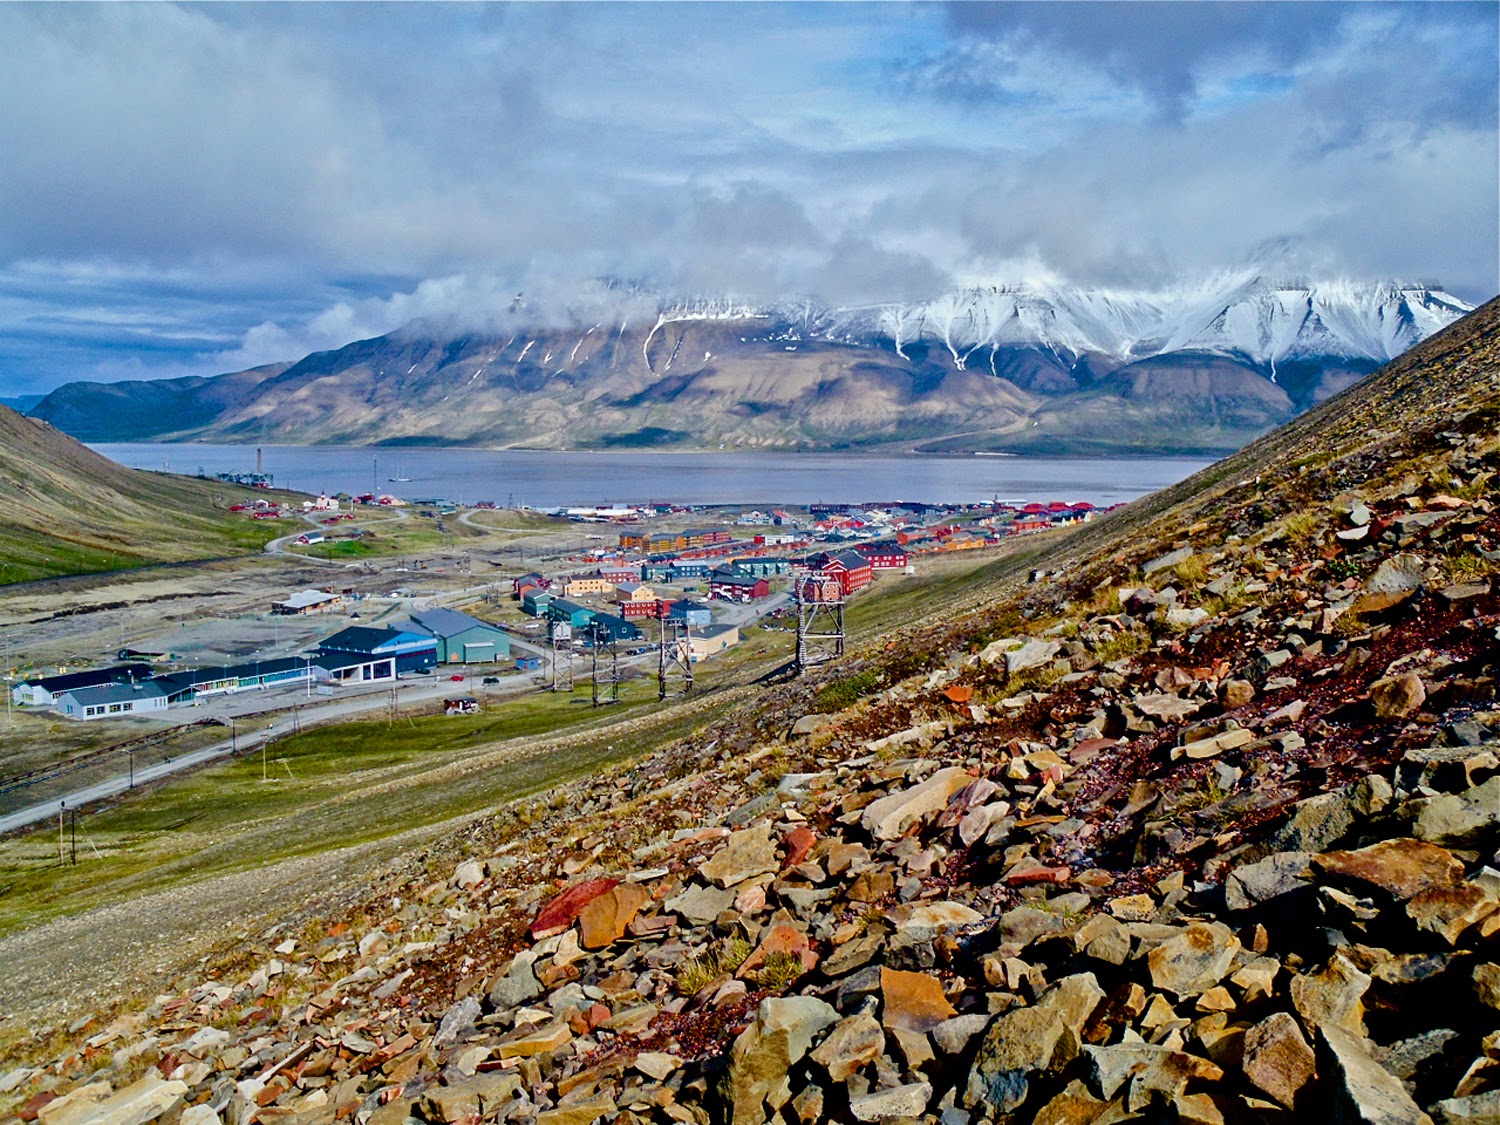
(492, 679)
(456, 679)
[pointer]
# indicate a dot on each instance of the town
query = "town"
(695, 587)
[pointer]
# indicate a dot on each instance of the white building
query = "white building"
(111, 701)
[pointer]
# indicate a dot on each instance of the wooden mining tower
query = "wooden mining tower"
(820, 621)
(674, 659)
(604, 683)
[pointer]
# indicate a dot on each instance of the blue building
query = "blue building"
(412, 651)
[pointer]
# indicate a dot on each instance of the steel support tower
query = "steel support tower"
(605, 687)
(820, 621)
(674, 662)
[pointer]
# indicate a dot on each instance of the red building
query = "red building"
(852, 569)
(884, 555)
(632, 610)
(731, 585)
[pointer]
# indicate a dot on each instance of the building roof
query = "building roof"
(683, 608)
(880, 547)
(68, 681)
(570, 608)
(114, 693)
(735, 578)
(304, 599)
(709, 632)
(439, 622)
(333, 661)
(362, 638)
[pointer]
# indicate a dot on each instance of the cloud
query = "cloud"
(191, 188)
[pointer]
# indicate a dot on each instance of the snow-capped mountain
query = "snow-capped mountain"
(1251, 318)
(1013, 367)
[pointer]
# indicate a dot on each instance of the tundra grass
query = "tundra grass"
(329, 788)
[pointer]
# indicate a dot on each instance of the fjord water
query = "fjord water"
(545, 479)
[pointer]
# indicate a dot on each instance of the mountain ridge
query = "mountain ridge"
(1010, 368)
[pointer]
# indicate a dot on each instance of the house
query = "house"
(577, 616)
(528, 663)
(704, 536)
(463, 705)
(657, 572)
(108, 701)
(584, 584)
(852, 569)
(615, 575)
(711, 640)
(308, 601)
(685, 571)
(536, 603)
(732, 585)
(883, 555)
(611, 629)
(461, 639)
(635, 592)
(533, 579)
(308, 538)
(413, 652)
(634, 611)
(693, 613)
(764, 566)
(43, 691)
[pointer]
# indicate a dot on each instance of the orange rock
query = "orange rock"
(958, 693)
(799, 841)
(562, 910)
(912, 1001)
(780, 938)
(603, 919)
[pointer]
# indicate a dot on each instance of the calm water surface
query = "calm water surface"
(545, 479)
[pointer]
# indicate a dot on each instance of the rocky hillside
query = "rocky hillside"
(1199, 825)
(1022, 368)
(64, 509)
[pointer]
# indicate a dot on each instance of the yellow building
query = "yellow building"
(578, 587)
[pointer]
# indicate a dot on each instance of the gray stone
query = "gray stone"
(1032, 654)
(952, 1036)
(889, 817)
(1363, 1091)
(1451, 820)
(1195, 960)
(1256, 883)
(1403, 1057)
(1019, 1044)
(1399, 574)
(1476, 1109)
(1161, 562)
(1317, 824)
(699, 904)
(516, 984)
(899, 1101)
(457, 1021)
(778, 1038)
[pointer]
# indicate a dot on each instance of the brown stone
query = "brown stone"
(799, 842)
(852, 1043)
(745, 854)
(1402, 868)
(1487, 984)
(912, 1001)
(1334, 997)
(1277, 1058)
(604, 919)
(1398, 696)
(1362, 1089)
(1449, 911)
(780, 938)
(563, 910)
(1236, 693)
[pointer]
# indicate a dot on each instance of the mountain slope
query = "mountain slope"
(64, 509)
(998, 368)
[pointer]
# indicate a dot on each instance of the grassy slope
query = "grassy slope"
(64, 509)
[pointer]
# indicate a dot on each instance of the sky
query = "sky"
(190, 189)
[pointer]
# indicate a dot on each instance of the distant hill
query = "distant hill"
(1024, 368)
(64, 509)
(21, 403)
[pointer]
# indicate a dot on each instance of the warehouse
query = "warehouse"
(461, 639)
(412, 652)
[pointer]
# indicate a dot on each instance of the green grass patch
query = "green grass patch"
(327, 788)
(338, 549)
